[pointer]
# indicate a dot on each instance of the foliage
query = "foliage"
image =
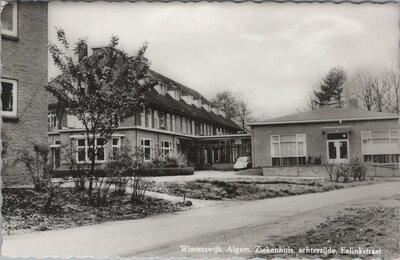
(358, 169)
(330, 92)
(37, 161)
(22, 209)
(355, 169)
(314, 160)
(5, 163)
(171, 161)
(101, 90)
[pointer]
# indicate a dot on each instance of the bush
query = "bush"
(172, 161)
(358, 169)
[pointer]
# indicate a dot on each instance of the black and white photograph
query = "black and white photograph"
(259, 129)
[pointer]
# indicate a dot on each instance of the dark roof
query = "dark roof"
(168, 104)
(328, 114)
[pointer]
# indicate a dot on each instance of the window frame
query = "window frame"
(390, 158)
(86, 149)
(299, 138)
(168, 149)
(151, 147)
(116, 146)
(14, 31)
(14, 112)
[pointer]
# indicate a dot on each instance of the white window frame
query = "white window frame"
(52, 120)
(173, 129)
(14, 111)
(367, 136)
(86, 147)
(299, 139)
(168, 128)
(150, 118)
(14, 31)
(166, 151)
(143, 117)
(156, 120)
(117, 146)
(184, 125)
(151, 146)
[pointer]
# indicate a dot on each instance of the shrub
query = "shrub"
(171, 161)
(37, 161)
(358, 169)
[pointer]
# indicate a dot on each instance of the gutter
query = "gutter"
(322, 121)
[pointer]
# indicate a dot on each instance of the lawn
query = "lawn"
(375, 227)
(239, 189)
(22, 210)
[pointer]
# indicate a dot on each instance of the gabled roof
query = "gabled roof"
(328, 114)
(179, 107)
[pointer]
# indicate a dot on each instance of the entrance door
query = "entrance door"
(338, 149)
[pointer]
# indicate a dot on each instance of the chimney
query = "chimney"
(353, 103)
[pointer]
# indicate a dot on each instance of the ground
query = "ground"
(22, 210)
(209, 185)
(373, 226)
(238, 224)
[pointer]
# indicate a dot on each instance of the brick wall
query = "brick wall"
(315, 138)
(25, 60)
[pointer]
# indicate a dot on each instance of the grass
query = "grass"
(22, 210)
(207, 189)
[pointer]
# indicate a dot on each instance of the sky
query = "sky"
(271, 54)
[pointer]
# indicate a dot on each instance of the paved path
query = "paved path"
(124, 238)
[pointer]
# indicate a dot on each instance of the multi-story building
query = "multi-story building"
(23, 77)
(174, 119)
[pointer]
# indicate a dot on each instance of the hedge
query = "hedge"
(153, 172)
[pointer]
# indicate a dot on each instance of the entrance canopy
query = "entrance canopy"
(336, 129)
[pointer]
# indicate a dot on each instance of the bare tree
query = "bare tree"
(392, 78)
(361, 86)
(243, 113)
(377, 89)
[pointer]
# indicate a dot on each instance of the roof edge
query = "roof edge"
(324, 120)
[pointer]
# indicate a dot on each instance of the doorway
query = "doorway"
(338, 147)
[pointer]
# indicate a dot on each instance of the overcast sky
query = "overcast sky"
(271, 53)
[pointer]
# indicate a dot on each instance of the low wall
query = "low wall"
(320, 171)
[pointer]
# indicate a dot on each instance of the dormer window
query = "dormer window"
(175, 93)
(161, 89)
(188, 99)
(9, 20)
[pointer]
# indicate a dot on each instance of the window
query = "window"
(143, 117)
(148, 149)
(156, 120)
(149, 122)
(173, 126)
(168, 128)
(288, 149)
(51, 121)
(115, 146)
(84, 153)
(9, 17)
(183, 125)
(9, 97)
(56, 154)
(380, 146)
(162, 121)
(166, 148)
